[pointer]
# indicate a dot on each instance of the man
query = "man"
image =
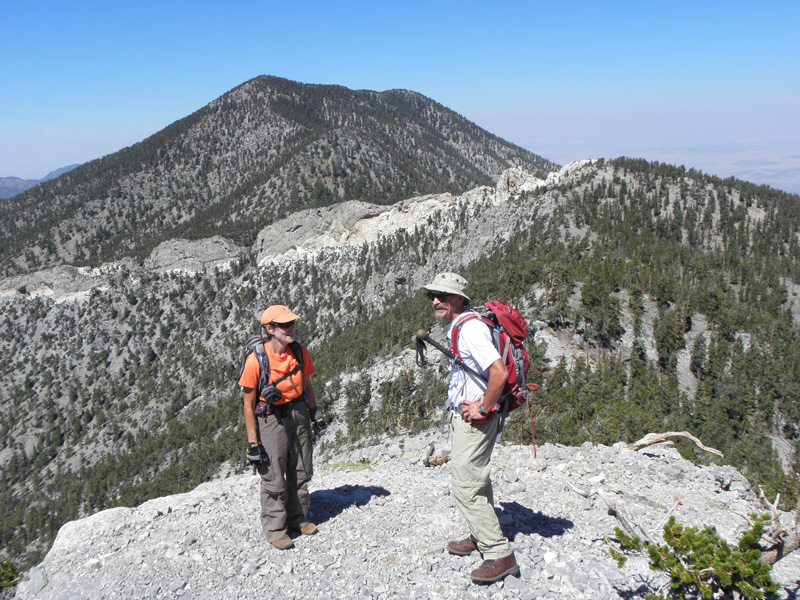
(473, 436)
(278, 428)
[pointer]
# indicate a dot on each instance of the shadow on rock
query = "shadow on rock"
(326, 504)
(649, 584)
(515, 518)
(793, 594)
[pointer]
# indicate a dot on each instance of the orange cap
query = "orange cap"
(278, 313)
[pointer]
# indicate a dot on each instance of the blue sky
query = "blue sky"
(710, 85)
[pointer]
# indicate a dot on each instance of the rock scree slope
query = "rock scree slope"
(384, 518)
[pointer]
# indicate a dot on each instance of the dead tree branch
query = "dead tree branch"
(655, 438)
(779, 538)
(431, 460)
(631, 527)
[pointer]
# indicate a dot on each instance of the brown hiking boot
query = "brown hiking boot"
(462, 548)
(494, 570)
(308, 528)
(284, 543)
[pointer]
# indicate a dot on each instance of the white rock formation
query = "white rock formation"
(193, 256)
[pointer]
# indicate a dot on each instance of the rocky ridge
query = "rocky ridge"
(193, 256)
(353, 224)
(308, 234)
(68, 283)
(383, 521)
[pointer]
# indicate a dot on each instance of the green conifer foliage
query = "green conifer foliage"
(700, 562)
(8, 573)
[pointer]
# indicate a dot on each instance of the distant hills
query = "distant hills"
(11, 186)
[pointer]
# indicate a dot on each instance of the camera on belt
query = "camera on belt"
(270, 395)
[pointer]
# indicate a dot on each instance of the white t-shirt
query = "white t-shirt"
(478, 352)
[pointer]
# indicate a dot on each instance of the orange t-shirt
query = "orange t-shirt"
(291, 387)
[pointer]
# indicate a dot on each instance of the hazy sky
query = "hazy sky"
(710, 85)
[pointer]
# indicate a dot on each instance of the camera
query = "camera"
(270, 394)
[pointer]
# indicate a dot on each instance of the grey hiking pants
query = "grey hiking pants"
(471, 466)
(286, 436)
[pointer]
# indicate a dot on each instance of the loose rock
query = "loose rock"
(383, 527)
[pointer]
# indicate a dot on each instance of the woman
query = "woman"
(278, 428)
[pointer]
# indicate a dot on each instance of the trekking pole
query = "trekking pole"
(423, 336)
(533, 436)
(534, 388)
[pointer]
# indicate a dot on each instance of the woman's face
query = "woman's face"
(283, 333)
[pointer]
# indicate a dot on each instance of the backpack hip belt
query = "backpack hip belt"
(263, 409)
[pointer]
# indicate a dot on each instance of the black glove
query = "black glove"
(256, 454)
(318, 424)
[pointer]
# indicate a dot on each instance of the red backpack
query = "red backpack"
(509, 330)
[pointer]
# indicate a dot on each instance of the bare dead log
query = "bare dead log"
(431, 460)
(631, 527)
(656, 438)
(780, 537)
(437, 461)
(787, 542)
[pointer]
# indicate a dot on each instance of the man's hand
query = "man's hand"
(256, 454)
(497, 380)
(470, 411)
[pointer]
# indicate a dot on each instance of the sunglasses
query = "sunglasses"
(440, 296)
(288, 325)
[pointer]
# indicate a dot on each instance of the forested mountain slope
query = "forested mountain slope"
(659, 299)
(262, 151)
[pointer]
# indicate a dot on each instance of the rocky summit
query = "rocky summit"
(384, 518)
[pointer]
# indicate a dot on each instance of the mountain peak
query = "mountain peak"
(266, 149)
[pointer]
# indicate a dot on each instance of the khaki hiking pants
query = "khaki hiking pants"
(286, 436)
(471, 465)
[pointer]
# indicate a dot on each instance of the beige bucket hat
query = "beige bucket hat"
(448, 283)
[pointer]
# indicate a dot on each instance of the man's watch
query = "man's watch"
(480, 410)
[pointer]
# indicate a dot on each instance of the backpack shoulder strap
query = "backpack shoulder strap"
(456, 329)
(494, 332)
(255, 346)
(297, 350)
(298, 354)
(263, 363)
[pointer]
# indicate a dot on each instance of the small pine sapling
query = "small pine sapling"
(700, 562)
(8, 574)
